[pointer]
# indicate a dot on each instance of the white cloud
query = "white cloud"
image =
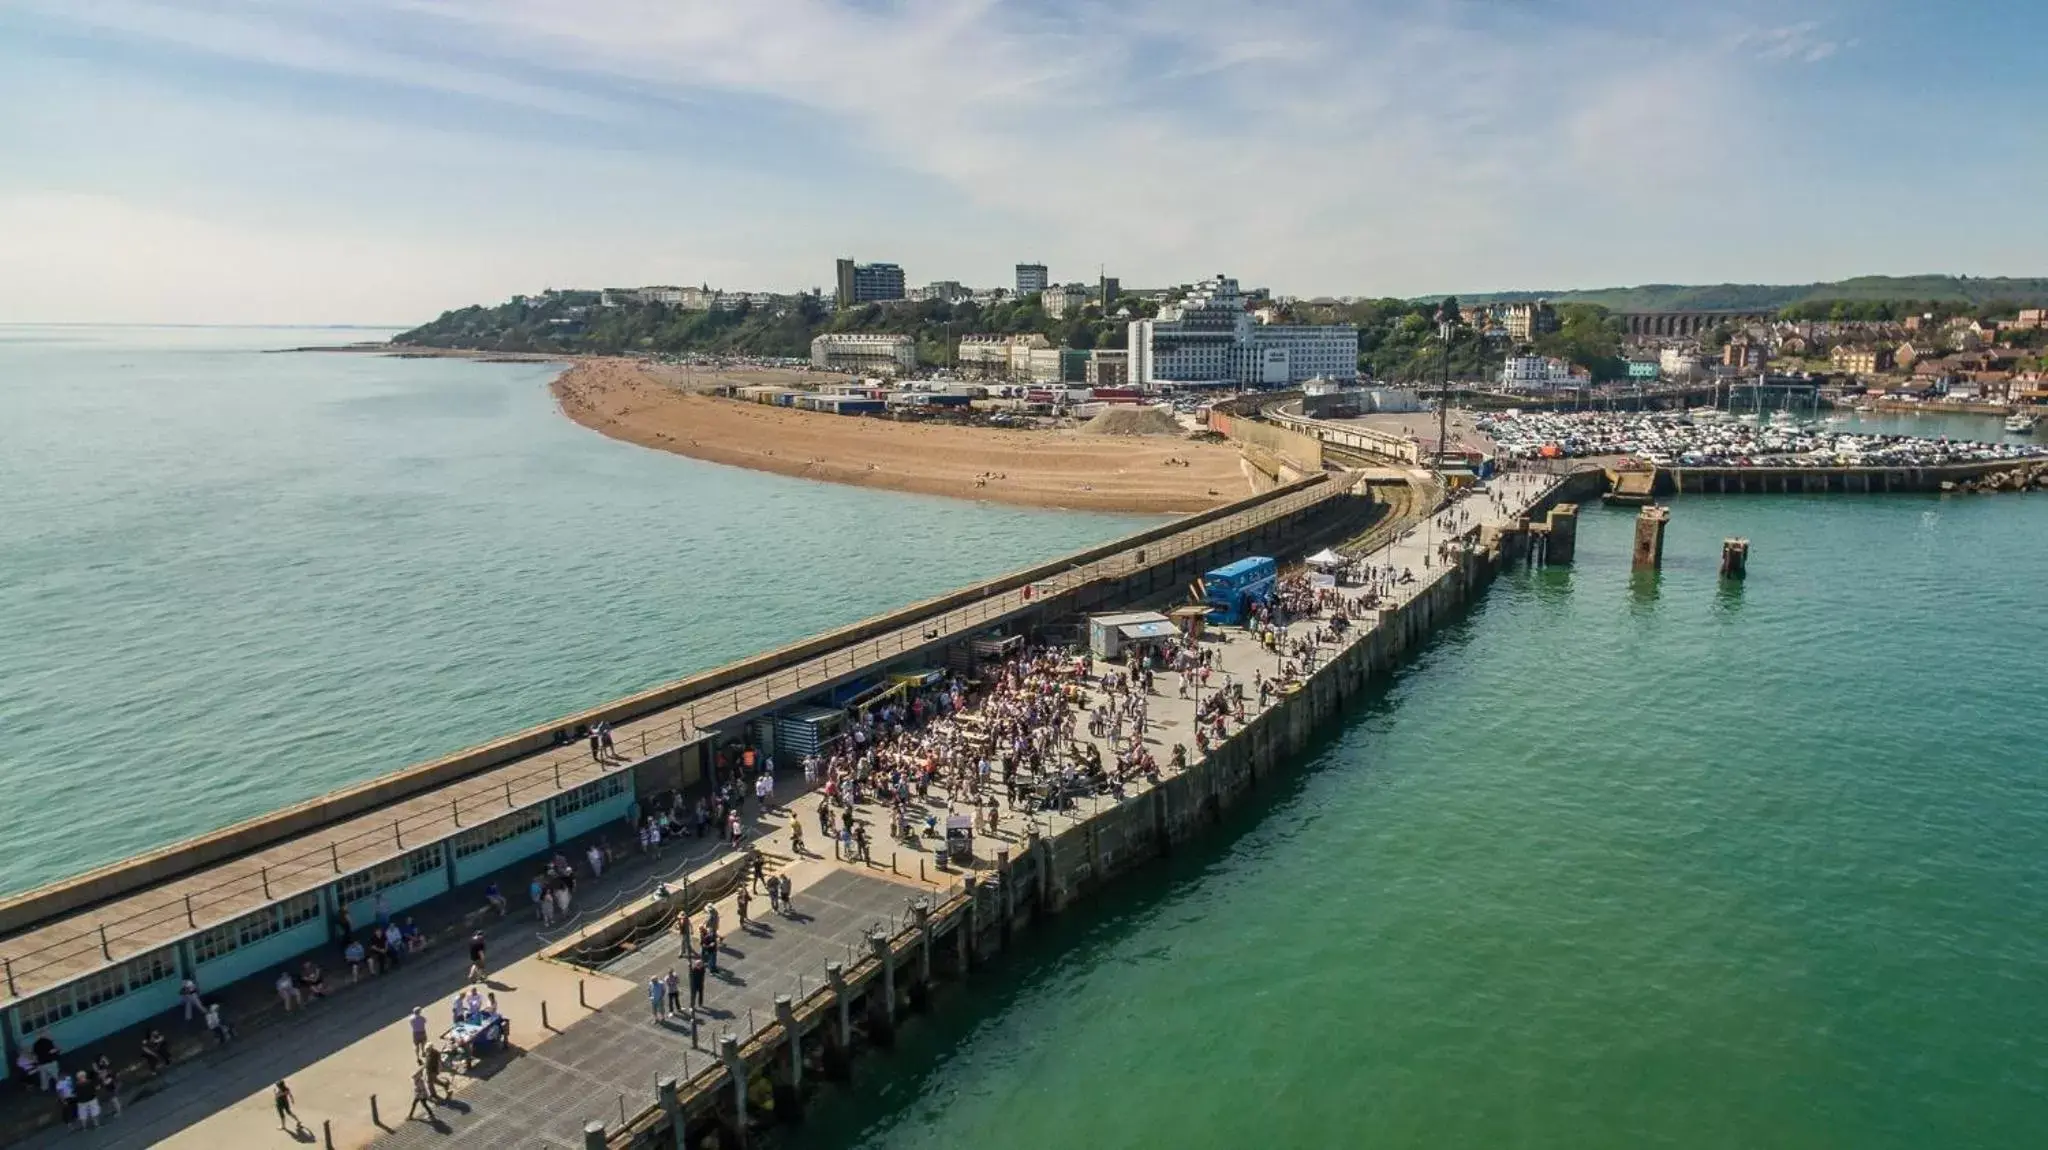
(1317, 146)
(1801, 42)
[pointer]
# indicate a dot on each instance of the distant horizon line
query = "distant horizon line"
(147, 323)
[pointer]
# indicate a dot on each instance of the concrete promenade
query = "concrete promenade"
(140, 921)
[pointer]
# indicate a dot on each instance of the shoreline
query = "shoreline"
(397, 352)
(1156, 475)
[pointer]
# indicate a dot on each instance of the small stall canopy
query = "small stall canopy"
(1190, 620)
(1326, 558)
(997, 646)
(922, 677)
(1108, 635)
(805, 730)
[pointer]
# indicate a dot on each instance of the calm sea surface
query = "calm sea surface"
(1618, 862)
(230, 580)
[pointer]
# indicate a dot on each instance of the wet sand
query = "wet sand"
(661, 407)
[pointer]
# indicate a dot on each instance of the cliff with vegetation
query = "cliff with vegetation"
(1397, 338)
(1906, 295)
(577, 322)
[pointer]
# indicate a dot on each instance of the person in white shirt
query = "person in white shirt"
(289, 991)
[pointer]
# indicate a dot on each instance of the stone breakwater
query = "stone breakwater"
(2032, 477)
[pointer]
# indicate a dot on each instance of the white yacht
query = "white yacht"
(2021, 423)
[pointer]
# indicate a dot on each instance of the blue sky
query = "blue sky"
(381, 160)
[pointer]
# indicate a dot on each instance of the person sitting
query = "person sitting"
(156, 1049)
(380, 953)
(495, 899)
(414, 940)
(288, 991)
(312, 980)
(354, 955)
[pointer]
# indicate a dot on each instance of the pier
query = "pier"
(240, 903)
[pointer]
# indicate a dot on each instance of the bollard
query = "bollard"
(593, 1135)
(375, 1119)
(835, 973)
(665, 1089)
(785, 1013)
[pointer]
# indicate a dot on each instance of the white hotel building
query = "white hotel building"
(1209, 338)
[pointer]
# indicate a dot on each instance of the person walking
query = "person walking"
(85, 1097)
(707, 948)
(476, 957)
(683, 935)
(218, 1026)
(431, 1062)
(422, 1096)
(418, 1021)
(741, 901)
(281, 1097)
(657, 996)
(188, 994)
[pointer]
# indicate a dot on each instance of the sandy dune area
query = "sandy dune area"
(661, 408)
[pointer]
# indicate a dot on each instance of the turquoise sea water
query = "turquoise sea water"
(1619, 862)
(230, 580)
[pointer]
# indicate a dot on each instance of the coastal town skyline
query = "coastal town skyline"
(183, 162)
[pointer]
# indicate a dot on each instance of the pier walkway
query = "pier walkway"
(137, 922)
(600, 1061)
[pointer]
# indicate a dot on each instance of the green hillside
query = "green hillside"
(1970, 291)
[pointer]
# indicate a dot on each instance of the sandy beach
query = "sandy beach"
(660, 407)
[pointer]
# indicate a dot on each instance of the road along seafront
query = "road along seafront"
(868, 937)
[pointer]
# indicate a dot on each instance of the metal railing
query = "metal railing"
(556, 770)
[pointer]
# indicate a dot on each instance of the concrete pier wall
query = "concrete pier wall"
(814, 1040)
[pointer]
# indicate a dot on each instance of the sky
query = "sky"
(379, 161)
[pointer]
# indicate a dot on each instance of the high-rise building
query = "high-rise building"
(868, 283)
(1031, 278)
(1208, 338)
(1110, 288)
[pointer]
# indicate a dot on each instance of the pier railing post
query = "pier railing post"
(835, 973)
(729, 1053)
(878, 944)
(921, 912)
(785, 1013)
(593, 1135)
(665, 1089)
